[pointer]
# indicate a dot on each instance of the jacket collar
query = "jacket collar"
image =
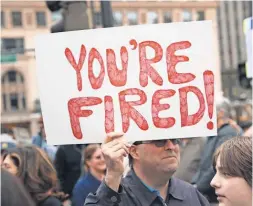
(145, 195)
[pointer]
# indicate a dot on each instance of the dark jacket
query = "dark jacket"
(133, 192)
(83, 187)
(206, 172)
(68, 166)
(51, 201)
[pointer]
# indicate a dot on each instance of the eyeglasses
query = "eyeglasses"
(159, 143)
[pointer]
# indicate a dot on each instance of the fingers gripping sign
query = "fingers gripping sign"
(114, 149)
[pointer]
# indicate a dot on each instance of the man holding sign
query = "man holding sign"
(150, 85)
(149, 181)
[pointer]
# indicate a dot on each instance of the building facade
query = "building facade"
(149, 12)
(20, 22)
(230, 16)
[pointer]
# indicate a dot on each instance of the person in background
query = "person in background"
(233, 179)
(7, 134)
(95, 168)
(41, 142)
(7, 141)
(190, 155)
(40, 139)
(150, 180)
(226, 129)
(13, 192)
(36, 171)
(68, 166)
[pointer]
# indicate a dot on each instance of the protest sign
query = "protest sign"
(149, 81)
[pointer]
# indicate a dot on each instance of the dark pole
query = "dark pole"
(106, 11)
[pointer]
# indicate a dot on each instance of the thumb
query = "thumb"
(113, 135)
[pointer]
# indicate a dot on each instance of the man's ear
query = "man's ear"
(133, 151)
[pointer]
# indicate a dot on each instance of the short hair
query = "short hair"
(88, 153)
(236, 157)
(223, 104)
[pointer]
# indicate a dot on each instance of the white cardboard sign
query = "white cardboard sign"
(149, 81)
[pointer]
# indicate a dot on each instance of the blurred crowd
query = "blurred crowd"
(207, 170)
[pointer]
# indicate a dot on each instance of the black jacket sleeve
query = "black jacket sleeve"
(203, 201)
(51, 201)
(60, 165)
(104, 196)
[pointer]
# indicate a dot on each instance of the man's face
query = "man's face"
(163, 159)
(97, 162)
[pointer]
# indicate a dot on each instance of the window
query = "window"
(167, 17)
(37, 107)
(16, 18)
(15, 98)
(2, 19)
(3, 79)
(4, 102)
(41, 18)
(98, 19)
(250, 8)
(187, 15)
(132, 18)
(247, 9)
(200, 15)
(152, 17)
(23, 101)
(12, 45)
(56, 16)
(117, 16)
(14, 101)
(21, 78)
(12, 76)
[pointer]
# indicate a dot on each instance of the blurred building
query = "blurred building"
(230, 16)
(152, 12)
(20, 22)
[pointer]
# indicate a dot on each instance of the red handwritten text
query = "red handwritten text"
(118, 76)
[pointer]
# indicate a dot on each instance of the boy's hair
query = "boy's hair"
(236, 158)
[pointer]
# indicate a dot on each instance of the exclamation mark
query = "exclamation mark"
(209, 88)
